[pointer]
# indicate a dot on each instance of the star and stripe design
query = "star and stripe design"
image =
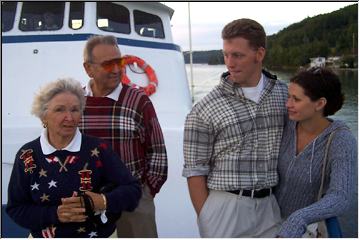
(48, 232)
(45, 183)
(71, 159)
(29, 163)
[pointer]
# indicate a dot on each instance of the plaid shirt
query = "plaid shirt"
(234, 141)
(131, 126)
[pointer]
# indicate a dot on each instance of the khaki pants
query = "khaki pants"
(141, 222)
(229, 215)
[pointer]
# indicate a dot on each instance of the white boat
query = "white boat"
(35, 52)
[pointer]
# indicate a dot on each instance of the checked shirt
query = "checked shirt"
(131, 126)
(234, 141)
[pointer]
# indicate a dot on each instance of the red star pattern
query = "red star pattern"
(98, 163)
(103, 145)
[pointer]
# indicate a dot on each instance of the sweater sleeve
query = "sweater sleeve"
(337, 199)
(21, 207)
(125, 197)
(156, 156)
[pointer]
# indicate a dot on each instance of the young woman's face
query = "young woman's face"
(300, 107)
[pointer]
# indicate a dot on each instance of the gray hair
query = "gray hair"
(95, 40)
(50, 90)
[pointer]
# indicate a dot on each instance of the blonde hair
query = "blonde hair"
(50, 90)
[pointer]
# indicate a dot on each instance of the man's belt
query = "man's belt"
(260, 193)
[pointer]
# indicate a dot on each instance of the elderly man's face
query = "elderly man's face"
(105, 68)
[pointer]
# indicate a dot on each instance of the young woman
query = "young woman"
(314, 94)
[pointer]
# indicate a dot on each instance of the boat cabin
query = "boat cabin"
(43, 41)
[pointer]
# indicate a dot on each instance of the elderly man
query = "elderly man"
(125, 117)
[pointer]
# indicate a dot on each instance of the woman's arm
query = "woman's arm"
(126, 195)
(21, 207)
(342, 157)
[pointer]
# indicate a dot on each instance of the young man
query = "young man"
(232, 139)
(125, 117)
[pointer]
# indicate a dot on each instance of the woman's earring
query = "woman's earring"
(44, 124)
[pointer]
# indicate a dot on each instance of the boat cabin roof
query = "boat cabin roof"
(139, 19)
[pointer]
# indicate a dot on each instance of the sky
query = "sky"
(208, 18)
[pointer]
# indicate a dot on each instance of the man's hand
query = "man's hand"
(198, 192)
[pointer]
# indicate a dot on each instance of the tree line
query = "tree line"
(332, 34)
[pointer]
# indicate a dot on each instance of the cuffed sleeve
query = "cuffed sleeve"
(198, 146)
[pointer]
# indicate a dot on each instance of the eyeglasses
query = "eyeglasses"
(109, 65)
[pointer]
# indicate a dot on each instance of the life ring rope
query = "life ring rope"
(150, 73)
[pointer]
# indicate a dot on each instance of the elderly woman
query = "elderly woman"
(57, 184)
(314, 95)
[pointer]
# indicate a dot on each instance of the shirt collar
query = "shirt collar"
(231, 87)
(47, 148)
(113, 95)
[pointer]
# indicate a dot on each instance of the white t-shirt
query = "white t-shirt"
(254, 93)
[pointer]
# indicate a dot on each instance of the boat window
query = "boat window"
(148, 25)
(8, 10)
(41, 16)
(113, 17)
(76, 16)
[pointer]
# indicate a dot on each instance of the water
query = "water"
(206, 77)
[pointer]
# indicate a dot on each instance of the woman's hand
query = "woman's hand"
(71, 210)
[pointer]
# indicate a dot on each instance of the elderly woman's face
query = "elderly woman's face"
(63, 116)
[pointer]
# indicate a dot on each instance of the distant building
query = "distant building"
(317, 62)
(334, 62)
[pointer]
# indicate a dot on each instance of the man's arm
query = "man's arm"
(198, 191)
(157, 163)
(198, 145)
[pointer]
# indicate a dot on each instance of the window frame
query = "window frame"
(162, 36)
(114, 31)
(60, 11)
(82, 12)
(12, 20)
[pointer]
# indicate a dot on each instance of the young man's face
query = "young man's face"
(242, 61)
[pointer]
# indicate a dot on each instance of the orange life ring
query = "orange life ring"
(150, 73)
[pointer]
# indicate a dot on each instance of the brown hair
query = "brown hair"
(248, 29)
(320, 82)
